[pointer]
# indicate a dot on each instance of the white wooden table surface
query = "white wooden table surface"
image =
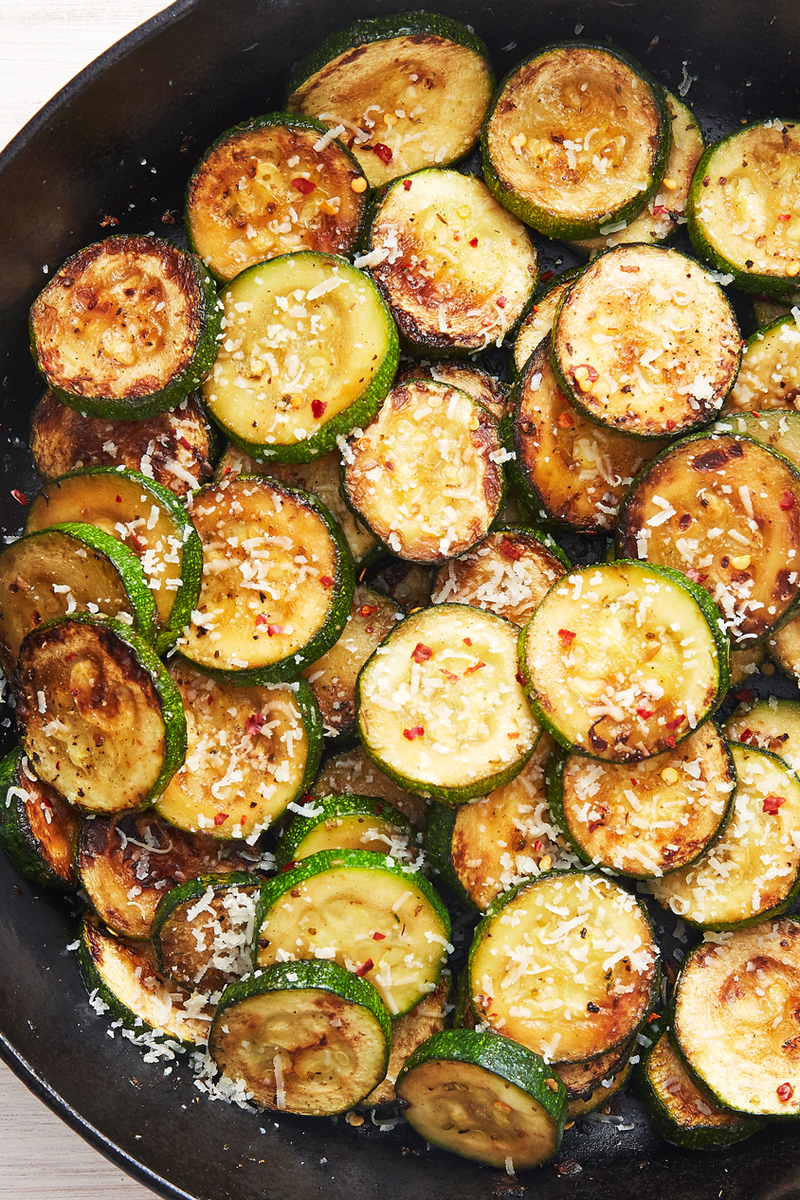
(43, 44)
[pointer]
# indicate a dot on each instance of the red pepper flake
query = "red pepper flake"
(660, 210)
(511, 550)
(467, 641)
(772, 804)
(784, 216)
(567, 636)
(318, 408)
(670, 424)
(183, 442)
(365, 967)
(786, 501)
(254, 724)
(644, 713)
(383, 152)
(745, 735)
(326, 580)
(273, 630)
(745, 695)
(243, 820)
(473, 242)
(261, 619)
(676, 723)
(513, 736)
(653, 1017)
(785, 1091)
(476, 667)
(545, 275)
(220, 818)
(415, 732)
(119, 499)
(500, 301)
(378, 937)
(565, 420)
(421, 653)
(670, 741)
(520, 678)
(367, 610)
(592, 373)
(449, 675)
(538, 844)
(407, 184)
(696, 576)
(303, 185)
(288, 866)
(19, 496)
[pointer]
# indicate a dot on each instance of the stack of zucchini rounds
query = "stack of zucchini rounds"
(300, 669)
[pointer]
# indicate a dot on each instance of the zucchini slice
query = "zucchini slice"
(741, 210)
(734, 1021)
(173, 448)
(352, 772)
(405, 91)
(664, 212)
(753, 869)
(454, 266)
(772, 725)
(769, 375)
(600, 1096)
(538, 321)
(726, 511)
(277, 581)
(346, 823)
(425, 476)
(779, 430)
(67, 568)
(273, 186)
(308, 1038)
(408, 1032)
(102, 721)
(122, 980)
(37, 826)
(440, 708)
(484, 1098)
(577, 140)
(319, 478)
(623, 660)
(507, 573)
(333, 677)
(310, 350)
(487, 389)
(371, 914)
(584, 1079)
(203, 930)
(497, 841)
(568, 470)
(250, 752)
(646, 342)
(126, 864)
(145, 517)
(649, 818)
(126, 328)
(682, 1110)
(565, 964)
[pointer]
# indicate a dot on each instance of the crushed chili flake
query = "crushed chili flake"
(520, 678)
(784, 216)
(318, 408)
(567, 636)
(272, 630)
(660, 210)
(365, 966)
(511, 550)
(772, 804)
(383, 152)
(676, 723)
(467, 641)
(182, 441)
(670, 741)
(538, 844)
(475, 667)
(500, 301)
(786, 501)
(378, 937)
(288, 866)
(670, 424)
(261, 619)
(220, 818)
(545, 275)
(415, 732)
(644, 713)
(449, 675)
(745, 695)
(119, 499)
(19, 496)
(303, 185)
(696, 576)
(566, 420)
(421, 653)
(407, 184)
(785, 1091)
(367, 610)
(254, 724)
(591, 371)
(326, 580)
(473, 242)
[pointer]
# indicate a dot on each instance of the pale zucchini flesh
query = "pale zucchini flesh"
(769, 375)
(440, 707)
(770, 724)
(538, 321)
(353, 772)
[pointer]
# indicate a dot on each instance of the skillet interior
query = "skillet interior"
(162, 96)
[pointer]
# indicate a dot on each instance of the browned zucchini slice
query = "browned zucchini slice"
(770, 724)
(408, 1032)
(352, 772)
(126, 328)
(538, 321)
(726, 511)
(425, 475)
(583, 1079)
(455, 268)
(127, 863)
(101, 719)
(174, 447)
(507, 573)
(203, 930)
(37, 826)
(250, 752)
(646, 342)
(333, 676)
(566, 964)
(474, 380)
(647, 819)
(568, 470)
(753, 869)
(769, 375)
(405, 92)
(275, 185)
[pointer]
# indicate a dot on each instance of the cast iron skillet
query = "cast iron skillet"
(162, 95)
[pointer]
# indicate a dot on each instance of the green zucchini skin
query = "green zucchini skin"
(137, 407)
(24, 847)
(327, 807)
(438, 842)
